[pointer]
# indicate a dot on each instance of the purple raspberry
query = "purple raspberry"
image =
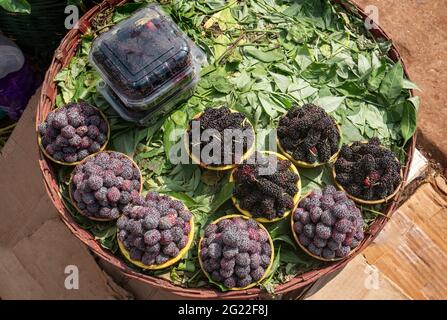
(155, 249)
(68, 132)
(322, 231)
(338, 237)
(319, 243)
(60, 120)
(101, 194)
(315, 214)
(229, 252)
(331, 244)
(82, 131)
(305, 241)
(182, 243)
(230, 282)
(241, 271)
(343, 251)
(214, 251)
(161, 258)
(86, 143)
(309, 230)
(171, 250)
(215, 275)
(328, 253)
(135, 254)
(227, 264)
(95, 183)
(298, 227)
(113, 195)
(152, 237)
(243, 259)
(314, 249)
(226, 273)
(95, 147)
(343, 225)
(166, 237)
(257, 274)
(148, 259)
(327, 218)
(177, 234)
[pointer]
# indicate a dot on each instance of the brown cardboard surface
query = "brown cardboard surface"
(35, 246)
(412, 249)
(359, 281)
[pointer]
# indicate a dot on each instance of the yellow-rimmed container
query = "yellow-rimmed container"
(168, 263)
(295, 236)
(70, 185)
(245, 156)
(296, 198)
(304, 164)
(368, 202)
(103, 147)
(267, 270)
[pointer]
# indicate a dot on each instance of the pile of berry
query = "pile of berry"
(265, 194)
(235, 252)
(104, 183)
(73, 132)
(368, 170)
(328, 224)
(153, 229)
(226, 128)
(309, 134)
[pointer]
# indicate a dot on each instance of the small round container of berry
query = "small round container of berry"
(212, 167)
(130, 186)
(363, 201)
(168, 263)
(296, 197)
(303, 164)
(255, 276)
(331, 236)
(67, 130)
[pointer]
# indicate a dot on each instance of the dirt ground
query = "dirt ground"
(419, 30)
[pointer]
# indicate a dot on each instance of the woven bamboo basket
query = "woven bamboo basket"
(62, 57)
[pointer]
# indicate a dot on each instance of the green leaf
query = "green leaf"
(282, 82)
(265, 56)
(408, 124)
(363, 65)
(410, 85)
(222, 84)
(330, 104)
(393, 83)
(17, 6)
(303, 57)
(223, 196)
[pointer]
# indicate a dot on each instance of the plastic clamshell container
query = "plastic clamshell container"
(146, 61)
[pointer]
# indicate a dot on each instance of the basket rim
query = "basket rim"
(62, 56)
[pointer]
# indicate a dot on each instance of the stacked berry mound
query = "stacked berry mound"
(309, 134)
(235, 252)
(367, 170)
(154, 229)
(73, 132)
(230, 130)
(104, 183)
(265, 186)
(328, 224)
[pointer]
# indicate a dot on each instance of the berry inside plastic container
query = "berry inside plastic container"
(145, 62)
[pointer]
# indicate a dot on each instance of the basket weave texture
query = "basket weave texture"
(62, 57)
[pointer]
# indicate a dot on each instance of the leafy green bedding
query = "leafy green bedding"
(264, 56)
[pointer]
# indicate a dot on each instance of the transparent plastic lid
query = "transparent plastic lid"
(145, 57)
